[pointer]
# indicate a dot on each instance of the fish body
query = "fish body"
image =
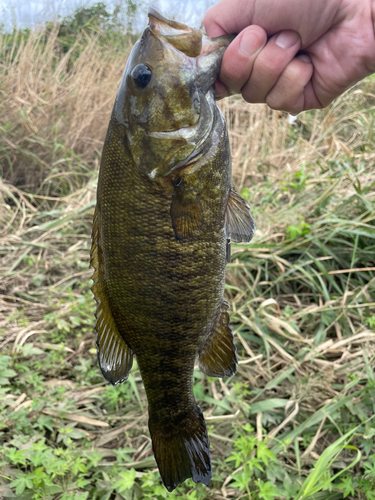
(165, 213)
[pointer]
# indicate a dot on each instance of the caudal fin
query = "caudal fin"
(182, 451)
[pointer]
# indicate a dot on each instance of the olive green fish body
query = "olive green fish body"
(164, 215)
(165, 294)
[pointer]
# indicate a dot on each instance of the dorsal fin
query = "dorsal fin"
(239, 224)
(114, 356)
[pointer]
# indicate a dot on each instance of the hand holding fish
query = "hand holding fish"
(296, 54)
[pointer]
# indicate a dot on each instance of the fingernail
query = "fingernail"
(287, 39)
(305, 58)
(250, 43)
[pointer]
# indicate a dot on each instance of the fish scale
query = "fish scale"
(165, 212)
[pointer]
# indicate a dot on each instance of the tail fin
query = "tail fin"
(182, 451)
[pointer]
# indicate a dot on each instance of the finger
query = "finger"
(228, 17)
(232, 16)
(311, 99)
(239, 58)
(269, 65)
(220, 90)
(288, 92)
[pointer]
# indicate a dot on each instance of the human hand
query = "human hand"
(317, 49)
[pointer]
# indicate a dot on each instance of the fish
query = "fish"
(163, 222)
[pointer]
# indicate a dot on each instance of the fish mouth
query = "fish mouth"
(204, 60)
(184, 38)
(207, 70)
(161, 20)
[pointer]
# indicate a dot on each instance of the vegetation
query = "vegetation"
(296, 421)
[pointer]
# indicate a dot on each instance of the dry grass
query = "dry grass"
(54, 110)
(302, 306)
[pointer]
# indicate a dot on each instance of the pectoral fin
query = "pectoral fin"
(114, 356)
(186, 212)
(218, 356)
(239, 224)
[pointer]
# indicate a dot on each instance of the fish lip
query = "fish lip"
(154, 11)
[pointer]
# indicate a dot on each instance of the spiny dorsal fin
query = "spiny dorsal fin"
(114, 356)
(186, 212)
(218, 357)
(239, 224)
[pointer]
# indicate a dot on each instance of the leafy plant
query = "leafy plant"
(295, 232)
(252, 457)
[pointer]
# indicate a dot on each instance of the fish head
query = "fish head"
(166, 97)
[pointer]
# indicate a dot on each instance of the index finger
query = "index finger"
(232, 16)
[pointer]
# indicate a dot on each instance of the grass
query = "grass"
(296, 421)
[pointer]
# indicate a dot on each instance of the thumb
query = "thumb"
(228, 17)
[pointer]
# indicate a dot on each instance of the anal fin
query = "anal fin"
(114, 356)
(239, 224)
(218, 356)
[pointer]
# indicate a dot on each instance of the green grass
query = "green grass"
(296, 421)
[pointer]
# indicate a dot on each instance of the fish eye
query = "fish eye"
(141, 75)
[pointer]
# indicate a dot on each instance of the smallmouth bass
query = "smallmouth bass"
(164, 218)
